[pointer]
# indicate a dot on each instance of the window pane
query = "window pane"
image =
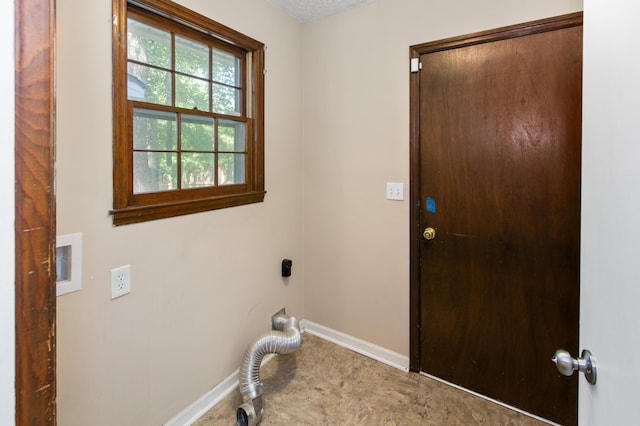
(192, 93)
(192, 57)
(226, 68)
(226, 100)
(197, 133)
(154, 171)
(198, 170)
(148, 44)
(231, 136)
(231, 169)
(148, 84)
(154, 130)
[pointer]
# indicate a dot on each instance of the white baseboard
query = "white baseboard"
(206, 402)
(486, 398)
(363, 347)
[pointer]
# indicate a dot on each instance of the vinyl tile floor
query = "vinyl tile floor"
(325, 384)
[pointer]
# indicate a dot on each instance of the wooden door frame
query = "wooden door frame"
(518, 30)
(35, 226)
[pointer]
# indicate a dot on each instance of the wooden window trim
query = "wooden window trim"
(131, 208)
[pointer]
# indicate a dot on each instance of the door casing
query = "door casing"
(35, 226)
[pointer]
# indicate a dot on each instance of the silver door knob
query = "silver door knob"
(566, 364)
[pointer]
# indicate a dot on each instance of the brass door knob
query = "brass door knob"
(429, 234)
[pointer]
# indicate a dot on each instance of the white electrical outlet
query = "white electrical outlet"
(120, 281)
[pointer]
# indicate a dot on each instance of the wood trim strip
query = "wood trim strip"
(119, 76)
(136, 214)
(257, 115)
(512, 31)
(35, 213)
(199, 22)
(415, 350)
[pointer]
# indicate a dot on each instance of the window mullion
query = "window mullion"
(215, 149)
(179, 153)
(216, 181)
(179, 115)
(173, 69)
(210, 79)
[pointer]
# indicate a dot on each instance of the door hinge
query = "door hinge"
(416, 65)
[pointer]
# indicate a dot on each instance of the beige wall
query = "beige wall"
(356, 138)
(204, 285)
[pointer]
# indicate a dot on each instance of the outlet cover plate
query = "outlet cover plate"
(120, 281)
(395, 191)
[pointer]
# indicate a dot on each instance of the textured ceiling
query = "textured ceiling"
(310, 10)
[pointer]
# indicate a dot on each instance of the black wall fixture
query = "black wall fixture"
(286, 267)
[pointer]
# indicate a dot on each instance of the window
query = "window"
(188, 113)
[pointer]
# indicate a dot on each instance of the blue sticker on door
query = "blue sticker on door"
(431, 205)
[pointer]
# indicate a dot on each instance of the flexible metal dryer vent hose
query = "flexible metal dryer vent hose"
(283, 339)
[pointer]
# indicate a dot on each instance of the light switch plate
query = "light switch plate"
(395, 191)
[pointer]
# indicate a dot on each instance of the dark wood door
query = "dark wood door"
(499, 181)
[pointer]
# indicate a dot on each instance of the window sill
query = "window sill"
(137, 214)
